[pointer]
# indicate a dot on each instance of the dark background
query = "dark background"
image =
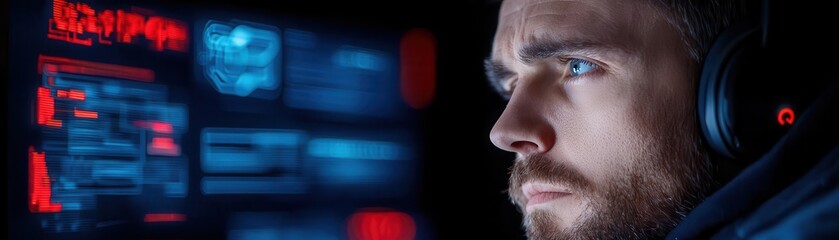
(462, 176)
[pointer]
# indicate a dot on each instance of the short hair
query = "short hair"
(700, 21)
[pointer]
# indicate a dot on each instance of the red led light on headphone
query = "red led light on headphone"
(786, 116)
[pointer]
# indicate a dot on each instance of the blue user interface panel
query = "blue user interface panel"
(157, 121)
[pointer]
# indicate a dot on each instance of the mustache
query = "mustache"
(543, 169)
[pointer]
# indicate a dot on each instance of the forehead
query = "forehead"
(530, 8)
(523, 22)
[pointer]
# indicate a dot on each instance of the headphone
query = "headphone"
(746, 98)
(719, 96)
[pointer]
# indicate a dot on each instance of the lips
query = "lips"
(538, 193)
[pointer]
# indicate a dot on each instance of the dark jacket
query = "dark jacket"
(792, 192)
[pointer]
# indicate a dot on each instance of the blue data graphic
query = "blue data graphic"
(241, 58)
(253, 161)
(355, 161)
(249, 150)
(330, 76)
(167, 121)
(355, 149)
(106, 130)
(272, 161)
(278, 225)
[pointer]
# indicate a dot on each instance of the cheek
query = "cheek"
(602, 136)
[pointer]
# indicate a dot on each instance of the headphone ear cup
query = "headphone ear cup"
(748, 94)
(718, 86)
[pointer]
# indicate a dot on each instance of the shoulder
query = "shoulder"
(807, 209)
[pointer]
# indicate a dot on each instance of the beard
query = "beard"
(643, 200)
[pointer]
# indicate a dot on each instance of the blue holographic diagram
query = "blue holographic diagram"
(242, 58)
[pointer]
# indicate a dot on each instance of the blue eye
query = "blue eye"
(579, 66)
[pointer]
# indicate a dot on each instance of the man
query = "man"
(602, 116)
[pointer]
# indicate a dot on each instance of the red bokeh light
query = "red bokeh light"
(418, 67)
(164, 217)
(381, 224)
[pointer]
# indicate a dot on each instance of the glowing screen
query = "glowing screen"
(164, 121)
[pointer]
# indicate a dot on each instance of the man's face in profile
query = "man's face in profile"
(601, 116)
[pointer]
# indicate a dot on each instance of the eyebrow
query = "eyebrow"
(542, 49)
(497, 72)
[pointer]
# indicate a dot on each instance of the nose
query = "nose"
(524, 127)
